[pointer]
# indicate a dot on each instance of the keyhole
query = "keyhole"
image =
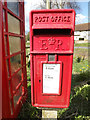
(39, 80)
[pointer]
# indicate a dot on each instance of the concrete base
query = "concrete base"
(81, 41)
(49, 114)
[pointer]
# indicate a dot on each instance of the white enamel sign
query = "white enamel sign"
(51, 76)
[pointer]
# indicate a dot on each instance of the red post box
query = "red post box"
(51, 51)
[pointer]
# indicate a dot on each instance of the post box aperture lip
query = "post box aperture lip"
(51, 63)
(51, 31)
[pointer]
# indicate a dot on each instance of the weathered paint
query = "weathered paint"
(0, 61)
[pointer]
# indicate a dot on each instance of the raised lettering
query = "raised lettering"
(59, 43)
(51, 41)
(65, 19)
(68, 19)
(40, 19)
(56, 18)
(43, 19)
(36, 18)
(44, 45)
(59, 19)
(52, 19)
(47, 18)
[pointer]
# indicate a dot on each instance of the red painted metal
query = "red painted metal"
(51, 33)
(12, 85)
(0, 62)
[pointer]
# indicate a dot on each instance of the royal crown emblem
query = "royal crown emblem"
(51, 41)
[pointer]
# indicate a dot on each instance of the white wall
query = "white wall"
(89, 36)
(82, 34)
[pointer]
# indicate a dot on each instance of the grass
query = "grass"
(28, 73)
(80, 52)
(27, 51)
(77, 66)
(82, 44)
(79, 105)
(28, 111)
(28, 44)
(80, 92)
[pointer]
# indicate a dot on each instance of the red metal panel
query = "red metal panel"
(60, 19)
(55, 101)
(24, 47)
(0, 61)
(51, 33)
(52, 44)
(5, 90)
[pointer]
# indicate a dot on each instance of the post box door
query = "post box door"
(57, 95)
(48, 75)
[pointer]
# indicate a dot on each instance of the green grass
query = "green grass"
(81, 44)
(28, 111)
(79, 105)
(80, 52)
(82, 65)
(27, 51)
(28, 44)
(28, 74)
